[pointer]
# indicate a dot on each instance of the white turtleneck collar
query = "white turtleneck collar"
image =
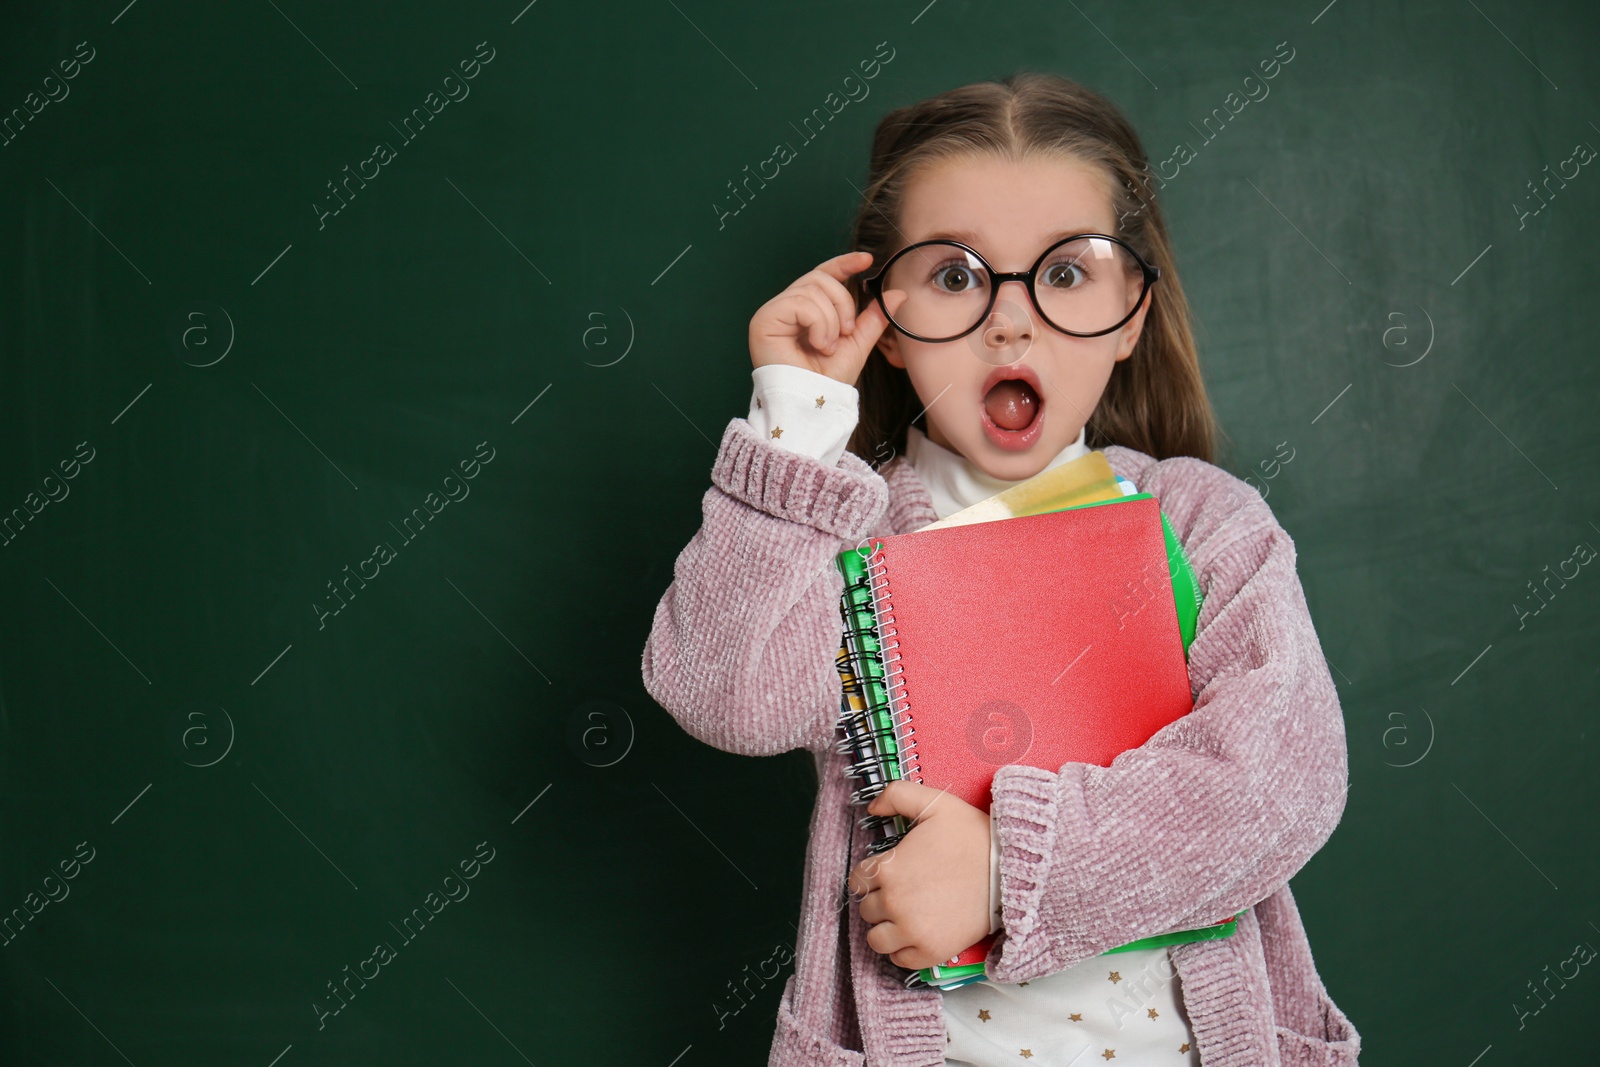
(954, 482)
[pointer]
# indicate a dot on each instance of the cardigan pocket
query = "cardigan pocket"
(1338, 1046)
(797, 1044)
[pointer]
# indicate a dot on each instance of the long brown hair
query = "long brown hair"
(1155, 401)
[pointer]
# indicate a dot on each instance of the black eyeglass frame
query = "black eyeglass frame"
(1150, 274)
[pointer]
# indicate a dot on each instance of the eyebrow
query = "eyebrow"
(970, 238)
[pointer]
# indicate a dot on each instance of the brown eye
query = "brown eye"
(1064, 275)
(955, 279)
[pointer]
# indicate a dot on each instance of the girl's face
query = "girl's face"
(1010, 211)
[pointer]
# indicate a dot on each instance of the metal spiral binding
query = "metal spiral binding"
(865, 742)
(862, 740)
(848, 745)
(893, 672)
(866, 793)
(884, 844)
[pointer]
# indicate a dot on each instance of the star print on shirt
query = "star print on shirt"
(1184, 1047)
(777, 431)
(983, 1013)
(819, 401)
(1113, 977)
(1153, 1013)
(1026, 1053)
(1076, 1017)
(1109, 1054)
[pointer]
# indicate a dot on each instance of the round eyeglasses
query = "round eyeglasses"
(1085, 285)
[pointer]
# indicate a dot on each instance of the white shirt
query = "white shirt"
(1126, 1006)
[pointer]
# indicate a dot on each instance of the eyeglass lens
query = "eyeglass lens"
(1084, 286)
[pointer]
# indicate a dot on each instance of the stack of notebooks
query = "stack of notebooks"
(1046, 625)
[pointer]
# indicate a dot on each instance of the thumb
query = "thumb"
(905, 798)
(870, 325)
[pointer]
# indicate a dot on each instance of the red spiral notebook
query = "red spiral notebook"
(1040, 622)
(1038, 640)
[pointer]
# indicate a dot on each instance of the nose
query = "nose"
(1007, 332)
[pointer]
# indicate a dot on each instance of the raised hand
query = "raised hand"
(813, 323)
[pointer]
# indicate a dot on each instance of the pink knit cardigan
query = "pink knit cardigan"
(1212, 815)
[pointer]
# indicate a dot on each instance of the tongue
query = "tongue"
(1011, 404)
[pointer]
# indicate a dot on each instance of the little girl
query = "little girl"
(1013, 304)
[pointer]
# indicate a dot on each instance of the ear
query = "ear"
(889, 345)
(1128, 336)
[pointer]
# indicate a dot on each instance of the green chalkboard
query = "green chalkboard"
(363, 368)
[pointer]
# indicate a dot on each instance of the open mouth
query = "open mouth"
(1013, 407)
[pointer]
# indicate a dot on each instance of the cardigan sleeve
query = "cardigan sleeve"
(1218, 809)
(742, 646)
